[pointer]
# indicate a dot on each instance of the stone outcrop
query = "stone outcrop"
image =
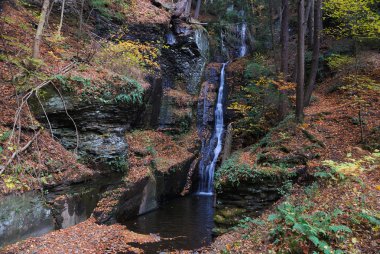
(99, 127)
(248, 199)
(182, 64)
(131, 199)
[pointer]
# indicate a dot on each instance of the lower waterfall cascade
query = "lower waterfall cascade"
(207, 171)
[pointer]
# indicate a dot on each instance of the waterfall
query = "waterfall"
(170, 39)
(223, 49)
(207, 171)
(243, 36)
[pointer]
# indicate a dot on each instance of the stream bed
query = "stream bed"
(182, 224)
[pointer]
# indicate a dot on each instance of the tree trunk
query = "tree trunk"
(300, 62)
(285, 38)
(61, 20)
(283, 107)
(310, 24)
(197, 9)
(316, 46)
(308, 13)
(40, 29)
(270, 3)
(48, 14)
(81, 18)
(188, 8)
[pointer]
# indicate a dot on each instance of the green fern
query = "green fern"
(315, 227)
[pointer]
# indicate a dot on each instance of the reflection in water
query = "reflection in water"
(185, 223)
(78, 208)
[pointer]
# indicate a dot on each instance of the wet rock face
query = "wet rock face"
(207, 97)
(186, 57)
(182, 64)
(206, 111)
(101, 127)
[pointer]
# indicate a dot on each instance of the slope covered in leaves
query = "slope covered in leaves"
(334, 207)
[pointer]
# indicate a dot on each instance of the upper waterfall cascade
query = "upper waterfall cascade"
(243, 36)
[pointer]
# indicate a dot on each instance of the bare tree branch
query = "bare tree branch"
(67, 113)
(2, 168)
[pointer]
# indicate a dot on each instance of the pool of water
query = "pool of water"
(182, 224)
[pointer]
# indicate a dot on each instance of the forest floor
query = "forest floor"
(340, 195)
(86, 237)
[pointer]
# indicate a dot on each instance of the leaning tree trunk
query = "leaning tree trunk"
(316, 48)
(188, 8)
(300, 62)
(61, 20)
(197, 9)
(40, 29)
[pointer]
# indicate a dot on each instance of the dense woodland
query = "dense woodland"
(111, 110)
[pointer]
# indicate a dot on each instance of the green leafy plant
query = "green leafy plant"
(5, 135)
(338, 171)
(336, 61)
(286, 188)
(255, 71)
(294, 221)
(246, 221)
(115, 89)
(131, 92)
(119, 164)
(232, 172)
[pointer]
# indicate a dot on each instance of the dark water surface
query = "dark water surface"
(187, 221)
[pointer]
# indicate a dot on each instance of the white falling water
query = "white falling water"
(170, 39)
(243, 36)
(207, 172)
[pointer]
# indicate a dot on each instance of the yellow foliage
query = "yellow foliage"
(283, 85)
(264, 81)
(242, 108)
(125, 57)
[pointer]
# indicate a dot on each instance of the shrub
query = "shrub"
(256, 70)
(351, 168)
(119, 89)
(111, 9)
(232, 172)
(128, 58)
(337, 62)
